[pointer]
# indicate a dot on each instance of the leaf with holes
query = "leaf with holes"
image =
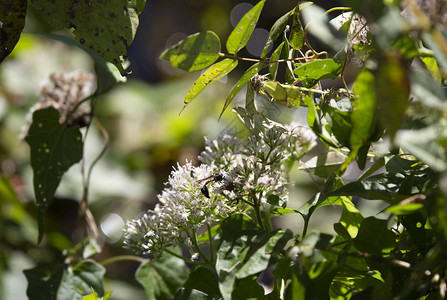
(106, 27)
(54, 149)
(214, 73)
(12, 21)
(195, 52)
(242, 32)
(252, 71)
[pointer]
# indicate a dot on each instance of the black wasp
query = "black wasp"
(227, 184)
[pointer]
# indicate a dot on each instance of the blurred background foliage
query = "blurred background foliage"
(147, 135)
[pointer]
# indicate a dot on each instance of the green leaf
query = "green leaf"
(214, 73)
(12, 20)
(296, 38)
(275, 32)
(374, 236)
(195, 52)
(351, 218)
(275, 90)
(363, 110)
(252, 71)
(425, 145)
(162, 277)
(191, 294)
(368, 190)
(427, 89)
(319, 69)
(404, 209)
(54, 149)
(63, 282)
(94, 296)
(259, 256)
(248, 288)
(273, 68)
(392, 92)
(204, 280)
(242, 32)
(106, 27)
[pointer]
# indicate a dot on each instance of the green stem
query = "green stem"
(193, 239)
(210, 239)
(306, 225)
(257, 207)
(123, 258)
(224, 55)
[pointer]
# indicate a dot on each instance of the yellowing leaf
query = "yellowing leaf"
(242, 32)
(214, 73)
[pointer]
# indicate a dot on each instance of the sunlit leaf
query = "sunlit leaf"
(296, 38)
(275, 32)
(162, 277)
(211, 75)
(252, 71)
(405, 209)
(64, 282)
(242, 32)
(107, 28)
(54, 149)
(273, 67)
(195, 52)
(12, 20)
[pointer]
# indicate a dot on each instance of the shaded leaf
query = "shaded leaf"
(195, 52)
(252, 71)
(374, 236)
(275, 90)
(248, 288)
(63, 282)
(214, 73)
(107, 28)
(54, 149)
(204, 280)
(427, 90)
(162, 277)
(392, 90)
(12, 20)
(191, 294)
(319, 69)
(242, 32)
(275, 32)
(425, 145)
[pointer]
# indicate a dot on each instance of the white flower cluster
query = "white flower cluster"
(182, 206)
(231, 172)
